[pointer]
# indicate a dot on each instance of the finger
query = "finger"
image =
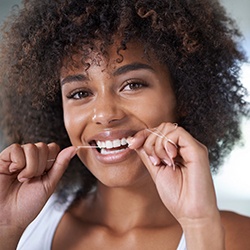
(189, 149)
(149, 164)
(53, 152)
(161, 144)
(154, 144)
(43, 152)
(145, 138)
(12, 159)
(162, 152)
(61, 163)
(32, 162)
(152, 141)
(46, 156)
(138, 139)
(150, 148)
(170, 147)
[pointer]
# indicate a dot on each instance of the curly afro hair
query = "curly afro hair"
(195, 38)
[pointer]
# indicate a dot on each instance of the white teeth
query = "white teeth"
(112, 144)
(123, 141)
(116, 143)
(109, 144)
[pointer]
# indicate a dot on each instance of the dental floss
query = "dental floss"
(160, 135)
(87, 147)
(78, 147)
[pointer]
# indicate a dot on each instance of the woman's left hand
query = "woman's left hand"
(179, 166)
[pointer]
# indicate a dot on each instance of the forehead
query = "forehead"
(108, 60)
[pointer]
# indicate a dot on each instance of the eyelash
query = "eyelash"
(83, 93)
(135, 84)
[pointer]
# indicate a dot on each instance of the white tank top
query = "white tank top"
(39, 234)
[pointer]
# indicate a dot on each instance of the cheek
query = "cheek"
(75, 121)
(165, 106)
(156, 110)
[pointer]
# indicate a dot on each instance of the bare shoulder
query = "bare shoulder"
(237, 230)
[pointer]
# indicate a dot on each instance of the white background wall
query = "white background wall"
(233, 181)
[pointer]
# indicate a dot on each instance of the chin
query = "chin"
(123, 177)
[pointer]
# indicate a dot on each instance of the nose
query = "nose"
(107, 111)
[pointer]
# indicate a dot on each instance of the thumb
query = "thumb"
(60, 165)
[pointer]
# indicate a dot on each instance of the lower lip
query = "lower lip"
(115, 157)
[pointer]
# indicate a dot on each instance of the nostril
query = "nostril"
(107, 114)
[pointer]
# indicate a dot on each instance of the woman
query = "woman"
(138, 100)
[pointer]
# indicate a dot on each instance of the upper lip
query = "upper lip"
(111, 135)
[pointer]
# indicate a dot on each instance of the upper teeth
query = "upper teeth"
(112, 144)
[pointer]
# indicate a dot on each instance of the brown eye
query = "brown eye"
(134, 85)
(81, 94)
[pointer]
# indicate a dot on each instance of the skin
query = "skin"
(146, 195)
(110, 107)
(113, 110)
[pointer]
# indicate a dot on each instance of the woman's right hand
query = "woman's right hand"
(28, 176)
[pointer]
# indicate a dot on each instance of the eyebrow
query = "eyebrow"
(73, 78)
(131, 67)
(122, 70)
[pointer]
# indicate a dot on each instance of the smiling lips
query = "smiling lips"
(112, 147)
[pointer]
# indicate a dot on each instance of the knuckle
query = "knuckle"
(54, 145)
(29, 147)
(41, 145)
(162, 125)
(204, 148)
(15, 147)
(180, 129)
(43, 148)
(148, 148)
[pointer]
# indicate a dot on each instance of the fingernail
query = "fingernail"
(153, 160)
(23, 180)
(172, 163)
(12, 170)
(74, 152)
(130, 141)
(174, 167)
(166, 147)
(167, 162)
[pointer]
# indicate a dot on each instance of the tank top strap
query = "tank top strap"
(182, 243)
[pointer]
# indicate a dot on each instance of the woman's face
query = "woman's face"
(111, 101)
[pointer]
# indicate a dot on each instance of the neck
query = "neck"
(125, 208)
